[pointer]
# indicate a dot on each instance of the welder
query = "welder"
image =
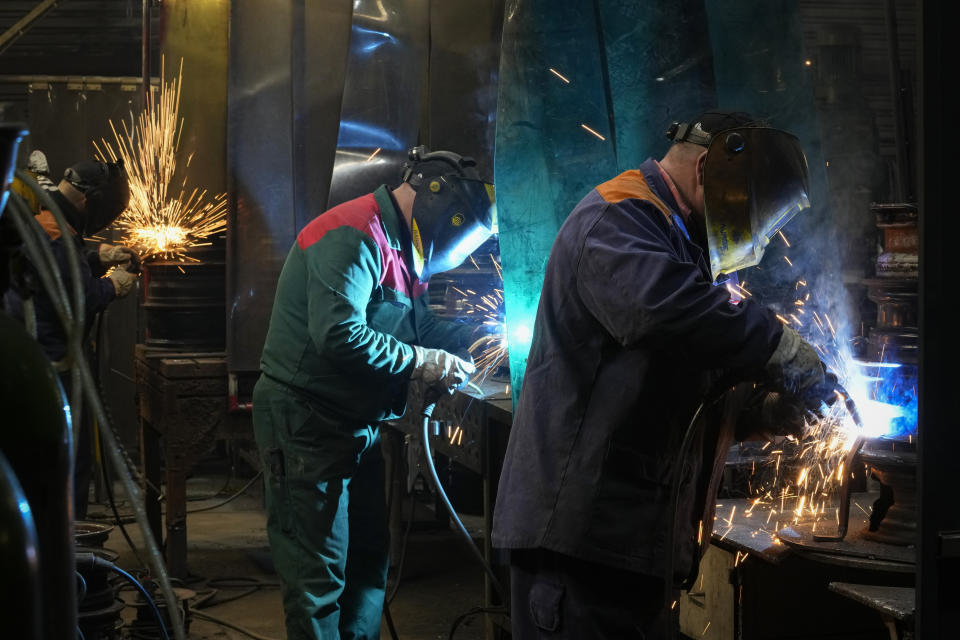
(91, 195)
(350, 328)
(631, 335)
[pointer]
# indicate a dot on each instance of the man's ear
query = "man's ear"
(701, 162)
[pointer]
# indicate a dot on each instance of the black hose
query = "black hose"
(425, 433)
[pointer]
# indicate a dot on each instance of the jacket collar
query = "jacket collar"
(390, 215)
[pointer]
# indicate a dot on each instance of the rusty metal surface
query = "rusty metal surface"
(745, 533)
(898, 602)
(800, 538)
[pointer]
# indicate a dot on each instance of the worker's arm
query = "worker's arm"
(343, 270)
(440, 334)
(636, 285)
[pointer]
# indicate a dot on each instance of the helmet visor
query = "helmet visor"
(755, 181)
(451, 223)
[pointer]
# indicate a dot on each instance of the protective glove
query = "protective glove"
(113, 255)
(122, 280)
(797, 366)
(782, 414)
(440, 369)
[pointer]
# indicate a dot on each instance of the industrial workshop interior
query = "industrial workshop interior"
(477, 319)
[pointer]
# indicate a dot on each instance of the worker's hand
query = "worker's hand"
(796, 365)
(116, 255)
(782, 414)
(440, 369)
(122, 280)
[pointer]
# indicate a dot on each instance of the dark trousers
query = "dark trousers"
(326, 516)
(557, 596)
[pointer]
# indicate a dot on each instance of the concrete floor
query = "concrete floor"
(440, 579)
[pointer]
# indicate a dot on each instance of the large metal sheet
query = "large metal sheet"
(261, 222)
(464, 69)
(380, 117)
(553, 92)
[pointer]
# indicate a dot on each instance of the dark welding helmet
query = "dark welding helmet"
(754, 182)
(453, 211)
(105, 189)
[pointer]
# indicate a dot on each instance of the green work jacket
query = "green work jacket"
(347, 308)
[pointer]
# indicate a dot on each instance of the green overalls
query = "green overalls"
(335, 363)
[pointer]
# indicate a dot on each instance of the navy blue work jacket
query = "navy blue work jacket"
(629, 333)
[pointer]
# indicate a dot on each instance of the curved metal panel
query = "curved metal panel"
(553, 144)
(385, 82)
(285, 83)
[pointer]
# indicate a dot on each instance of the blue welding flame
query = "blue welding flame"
(886, 397)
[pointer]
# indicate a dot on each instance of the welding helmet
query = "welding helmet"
(754, 182)
(453, 211)
(105, 189)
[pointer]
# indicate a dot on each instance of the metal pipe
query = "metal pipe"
(901, 180)
(81, 80)
(145, 53)
(21, 26)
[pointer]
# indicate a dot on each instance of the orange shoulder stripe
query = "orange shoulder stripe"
(49, 224)
(631, 185)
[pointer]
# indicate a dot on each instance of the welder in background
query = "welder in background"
(631, 334)
(38, 169)
(91, 195)
(350, 327)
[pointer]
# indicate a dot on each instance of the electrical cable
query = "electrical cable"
(83, 587)
(472, 612)
(82, 370)
(150, 601)
(427, 412)
(236, 495)
(214, 619)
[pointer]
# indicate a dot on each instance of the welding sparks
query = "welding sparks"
(593, 131)
(156, 223)
(559, 75)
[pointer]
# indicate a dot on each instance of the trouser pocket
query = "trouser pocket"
(545, 605)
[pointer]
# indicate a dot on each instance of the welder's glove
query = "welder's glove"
(440, 369)
(122, 280)
(782, 414)
(796, 365)
(116, 255)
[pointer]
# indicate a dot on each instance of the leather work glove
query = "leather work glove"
(797, 366)
(782, 414)
(122, 280)
(114, 255)
(440, 369)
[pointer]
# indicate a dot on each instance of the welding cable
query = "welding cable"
(427, 413)
(92, 560)
(472, 612)
(225, 623)
(82, 369)
(74, 338)
(236, 495)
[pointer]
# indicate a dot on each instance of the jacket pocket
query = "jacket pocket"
(545, 599)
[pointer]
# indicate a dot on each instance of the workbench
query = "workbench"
(752, 584)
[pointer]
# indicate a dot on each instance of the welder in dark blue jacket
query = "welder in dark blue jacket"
(91, 196)
(630, 335)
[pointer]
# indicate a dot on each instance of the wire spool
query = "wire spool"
(184, 302)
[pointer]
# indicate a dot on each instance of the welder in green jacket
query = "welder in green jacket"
(350, 327)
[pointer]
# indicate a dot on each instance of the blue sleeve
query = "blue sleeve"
(635, 283)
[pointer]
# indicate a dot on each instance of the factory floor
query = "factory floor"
(440, 580)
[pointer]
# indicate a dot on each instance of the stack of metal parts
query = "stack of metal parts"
(98, 601)
(895, 340)
(145, 627)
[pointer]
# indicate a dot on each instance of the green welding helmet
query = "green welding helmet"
(755, 180)
(453, 212)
